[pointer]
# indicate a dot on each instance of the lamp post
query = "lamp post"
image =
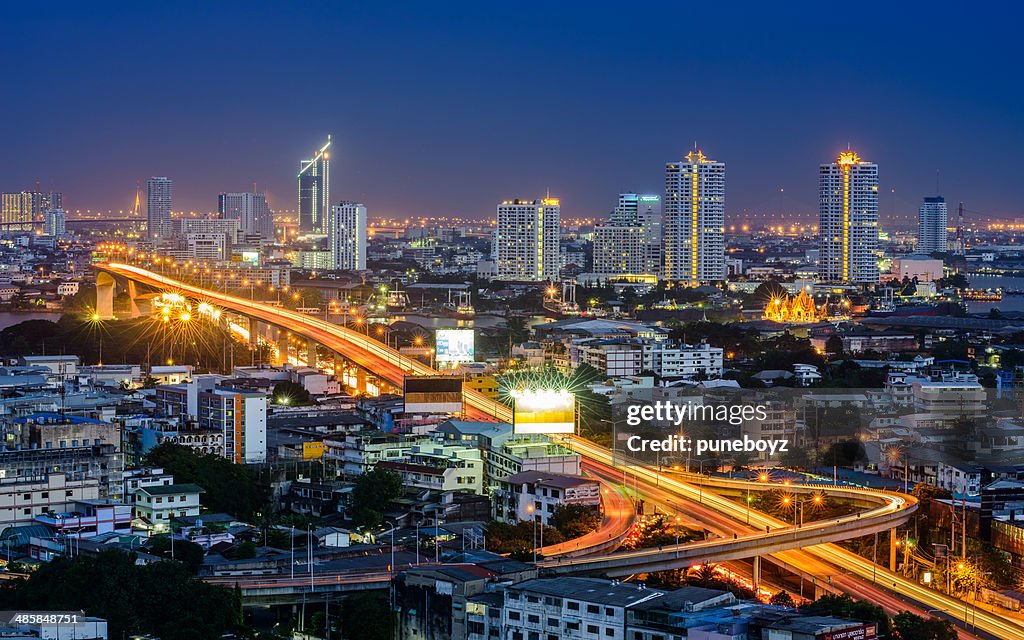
(530, 510)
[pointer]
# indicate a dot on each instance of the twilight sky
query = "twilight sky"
(449, 107)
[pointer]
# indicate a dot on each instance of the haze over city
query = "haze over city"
(447, 109)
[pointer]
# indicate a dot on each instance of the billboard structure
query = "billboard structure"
(433, 394)
(454, 347)
(543, 411)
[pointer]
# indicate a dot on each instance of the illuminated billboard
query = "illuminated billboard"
(543, 411)
(251, 257)
(433, 394)
(454, 347)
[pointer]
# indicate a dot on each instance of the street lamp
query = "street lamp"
(530, 510)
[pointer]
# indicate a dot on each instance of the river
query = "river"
(1008, 303)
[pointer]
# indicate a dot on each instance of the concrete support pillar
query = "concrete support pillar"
(892, 549)
(254, 333)
(105, 284)
(281, 340)
(311, 359)
(756, 573)
(360, 380)
(133, 294)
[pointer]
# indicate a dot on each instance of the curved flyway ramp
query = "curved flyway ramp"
(891, 510)
(366, 352)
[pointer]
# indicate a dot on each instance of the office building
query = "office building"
(629, 243)
(314, 190)
(848, 224)
(694, 220)
(932, 218)
(251, 210)
(346, 236)
(54, 222)
(525, 243)
(228, 227)
(159, 194)
(214, 247)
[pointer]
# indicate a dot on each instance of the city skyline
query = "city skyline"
(606, 150)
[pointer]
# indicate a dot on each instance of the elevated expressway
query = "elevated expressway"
(817, 537)
(887, 511)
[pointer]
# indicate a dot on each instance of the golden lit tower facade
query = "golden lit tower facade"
(848, 220)
(693, 219)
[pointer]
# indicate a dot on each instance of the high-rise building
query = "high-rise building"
(26, 207)
(315, 191)
(346, 236)
(525, 245)
(159, 194)
(848, 225)
(43, 201)
(250, 209)
(931, 229)
(15, 208)
(630, 242)
(694, 220)
(54, 222)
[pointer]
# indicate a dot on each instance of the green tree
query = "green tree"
(834, 345)
(843, 606)
(372, 493)
(188, 553)
(290, 393)
(366, 616)
(574, 520)
(909, 626)
(782, 599)
(245, 551)
(229, 488)
(161, 598)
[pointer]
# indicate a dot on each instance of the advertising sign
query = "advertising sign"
(543, 411)
(454, 347)
(433, 394)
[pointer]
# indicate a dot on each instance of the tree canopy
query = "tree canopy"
(162, 598)
(230, 488)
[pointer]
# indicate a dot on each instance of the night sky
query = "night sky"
(448, 107)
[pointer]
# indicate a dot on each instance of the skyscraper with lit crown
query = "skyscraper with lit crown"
(315, 191)
(693, 220)
(848, 220)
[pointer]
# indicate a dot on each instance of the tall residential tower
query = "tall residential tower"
(346, 236)
(694, 220)
(848, 220)
(526, 239)
(159, 194)
(315, 191)
(931, 229)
